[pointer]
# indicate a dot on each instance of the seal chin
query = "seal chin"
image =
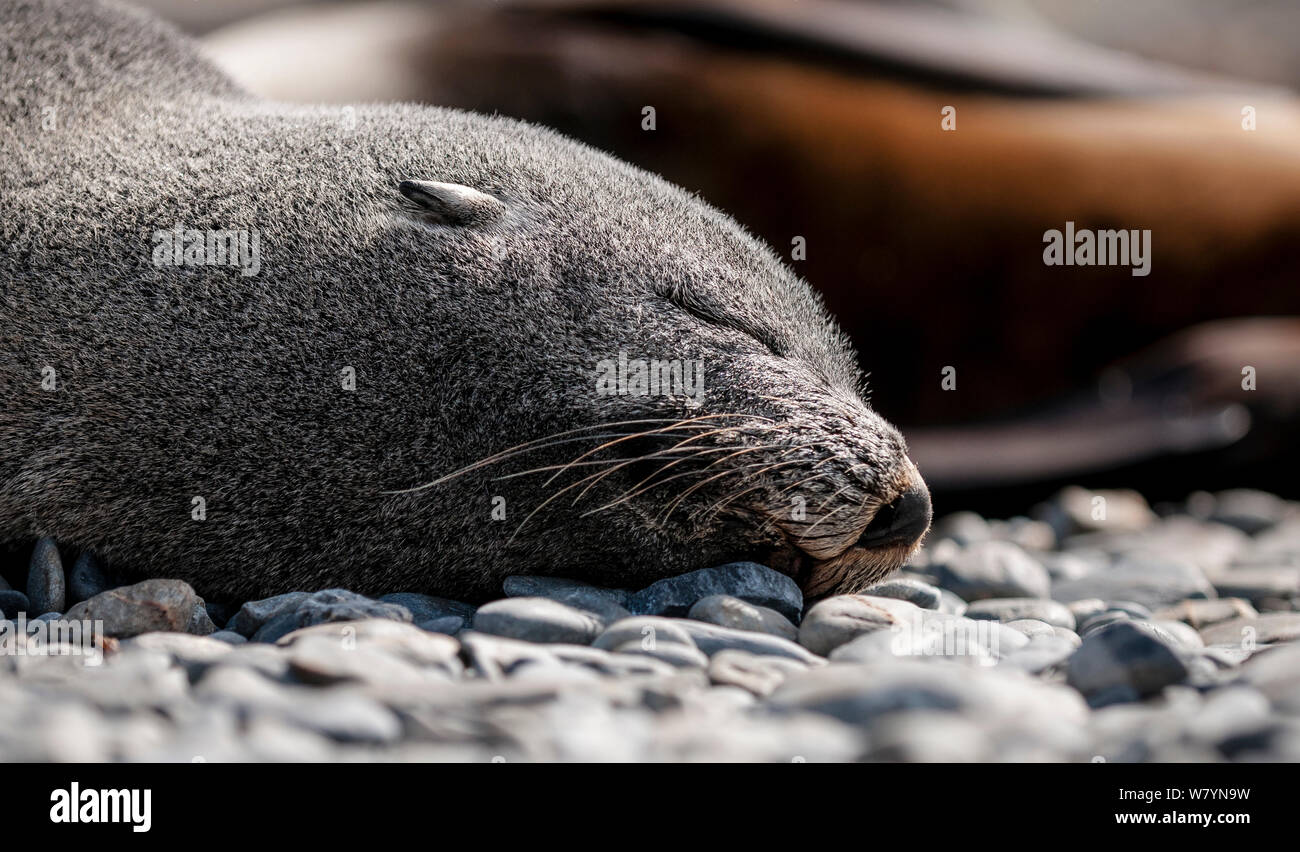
(894, 534)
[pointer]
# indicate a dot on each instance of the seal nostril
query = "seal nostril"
(904, 520)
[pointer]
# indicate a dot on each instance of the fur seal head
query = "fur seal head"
(552, 362)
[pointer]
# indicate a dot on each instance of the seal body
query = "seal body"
(263, 347)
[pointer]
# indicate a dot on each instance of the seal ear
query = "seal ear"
(452, 203)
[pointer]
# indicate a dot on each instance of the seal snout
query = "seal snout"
(903, 521)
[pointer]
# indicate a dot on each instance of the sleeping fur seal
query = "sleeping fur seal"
(263, 347)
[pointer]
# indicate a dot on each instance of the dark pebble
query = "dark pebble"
(13, 602)
(326, 606)
(425, 608)
(45, 580)
(1123, 659)
(748, 581)
(87, 578)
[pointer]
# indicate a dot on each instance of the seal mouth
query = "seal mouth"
(893, 534)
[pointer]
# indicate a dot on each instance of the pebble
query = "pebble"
(647, 631)
(1152, 581)
(1203, 613)
(1126, 660)
(1032, 627)
(46, 590)
(760, 675)
(146, 606)
(427, 609)
(13, 602)
(838, 620)
(87, 578)
(745, 580)
(1263, 629)
(538, 620)
(726, 611)
(1138, 654)
(572, 592)
(1014, 609)
(913, 591)
(994, 569)
(326, 606)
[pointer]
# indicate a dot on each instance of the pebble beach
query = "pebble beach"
(1095, 627)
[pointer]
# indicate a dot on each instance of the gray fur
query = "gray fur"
(467, 335)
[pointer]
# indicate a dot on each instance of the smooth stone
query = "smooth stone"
(951, 604)
(711, 639)
(448, 624)
(673, 653)
(1032, 627)
(726, 611)
(428, 607)
(1183, 633)
(861, 694)
(147, 606)
(1201, 613)
(572, 592)
(915, 592)
(1250, 511)
(185, 648)
(538, 620)
(46, 589)
(13, 602)
(923, 647)
(230, 637)
(1076, 509)
(87, 578)
(1124, 657)
(1014, 609)
(748, 581)
(994, 569)
(1095, 622)
(1263, 629)
(1068, 635)
(1275, 672)
(323, 660)
(1043, 652)
(1084, 608)
(760, 675)
(1255, 584)
(328, 606)
(1151, 581)
(837, 620)
(646, 631)
(253, 614)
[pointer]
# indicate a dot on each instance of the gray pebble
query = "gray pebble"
(745, 580)
(426, 608)
(994, 569)
(1032, 627)
(732, 612)
(1013, 609)
(1202, 613)
(87, 578)
(538, 620)
(1264, 629)
(146, 606)
(230, 637)
(254, 614)
(45, 581)
(572, 592)
(913, 591)
(710, 638)
(1124, 660)
(328, 606)
(1146, 579)
(647, 631)
(760, 675)
(200, 622)
(675, 654)
(840, 619)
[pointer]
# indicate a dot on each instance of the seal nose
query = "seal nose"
(904, 520)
